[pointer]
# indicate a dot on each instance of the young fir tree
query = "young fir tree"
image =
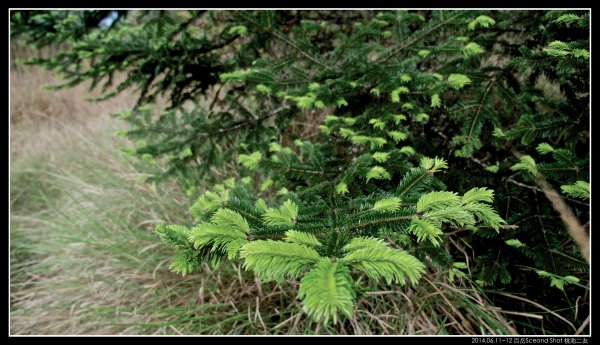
(316, 129)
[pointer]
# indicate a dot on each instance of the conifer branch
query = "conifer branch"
(418, 38)
(479, 107)
(283, 39)
(382, 221)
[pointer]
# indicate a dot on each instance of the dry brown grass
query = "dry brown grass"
(35, 112)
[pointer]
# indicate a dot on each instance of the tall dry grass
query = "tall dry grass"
(84, 259)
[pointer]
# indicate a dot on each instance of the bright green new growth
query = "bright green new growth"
(362, 243)
(425, 230)
(226, 233)
(349, 121)
(498, 132)
(544, 148)
(284, 216)
(580, 53)
(374, 142)
(399, 118)
(458, 81)
(330, 118)
(558, 281)
(261, 205)
(275, 260)
(381, 157)
(407, 150)
(250, 161)
(408, 106)
(377, 123)
(579, 189)
(378, 173)
(422, 117)
(472, 49)
(437, 208)
(230, 219)
(482, 21)
(437, 200)
(327, 290)
(395, 95)
(397, 136)
(346, 132)
(264, 88)
(526, 163)
(514, 243)
(557, 49)
(265, 185)
(209, 201)
(177, 236)
(492, 168)
(433, 164)
(455, 271)
(237, 76)
(341, 102)
(382, 262)
(341, 188)
(238, 30)
(436, 102)
(387, 205)
(298, 237)
(567, 19)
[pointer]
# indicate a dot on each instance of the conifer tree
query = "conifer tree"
(342, 147)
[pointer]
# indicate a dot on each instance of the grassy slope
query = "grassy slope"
(84, 259)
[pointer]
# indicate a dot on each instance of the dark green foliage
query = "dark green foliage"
(315, 131)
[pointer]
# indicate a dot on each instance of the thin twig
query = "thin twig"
(239, 125)
(574, 227)
(585, 323)
(510, 179)
(285, 40)
(539, 306)
(212, 104)
(487, 90)
(418, 38)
